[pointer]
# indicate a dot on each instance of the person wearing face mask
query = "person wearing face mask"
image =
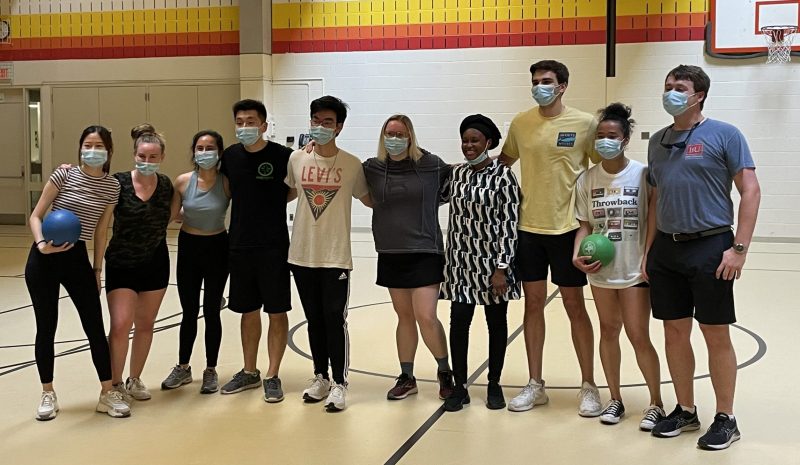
(137, 259)
(406, 184)
(612, 199)
(692, 255)
(481, 246)
(203, 195)
(259, 245)
(90, 193)
(327, 179)
(554, 144)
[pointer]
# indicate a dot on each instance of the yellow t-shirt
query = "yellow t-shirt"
(553, 152)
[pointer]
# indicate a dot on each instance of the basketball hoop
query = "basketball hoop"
(779, 42)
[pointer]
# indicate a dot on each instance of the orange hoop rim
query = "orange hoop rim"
(779, 32)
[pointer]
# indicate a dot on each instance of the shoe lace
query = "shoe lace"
(115, 396)
(652, 413)
(527, 390)
(337, 390)
(208, 376)
(48, 399)
(718, 424)
(272, 383)
(613, 407)
(588, 394)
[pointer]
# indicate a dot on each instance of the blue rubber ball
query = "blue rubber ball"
(61, 226)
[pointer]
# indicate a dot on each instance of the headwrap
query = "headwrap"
(483, 124)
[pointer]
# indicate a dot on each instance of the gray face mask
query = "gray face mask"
(248, 135)
(395, 145)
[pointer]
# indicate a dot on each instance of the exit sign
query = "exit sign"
(6, 72)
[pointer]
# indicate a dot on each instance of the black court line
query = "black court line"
(411, 441)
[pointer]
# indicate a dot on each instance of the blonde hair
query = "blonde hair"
(145, 133)
(414, 152)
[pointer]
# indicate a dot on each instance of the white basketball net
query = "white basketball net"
(779, 42)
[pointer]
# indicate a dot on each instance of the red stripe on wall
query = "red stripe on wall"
(128, 46)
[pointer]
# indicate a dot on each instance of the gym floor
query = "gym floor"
(185, 427)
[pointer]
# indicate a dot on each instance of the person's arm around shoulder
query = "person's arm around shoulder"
(290, 181)
(750, 192)
(176, 204)
(101, 242)
(509, 154)
(589, 149)
(361, 189)
(508, 215)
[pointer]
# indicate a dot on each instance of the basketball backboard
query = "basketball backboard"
(736, 24)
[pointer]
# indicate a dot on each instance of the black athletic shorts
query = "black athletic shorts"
(152, 275)
(409, 270)
(538, 252)
(259, 278)
(683, 280)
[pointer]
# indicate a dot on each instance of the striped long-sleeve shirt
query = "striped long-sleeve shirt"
(482, 233)
(85, 196)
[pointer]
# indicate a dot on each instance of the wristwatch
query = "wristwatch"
(739, 248)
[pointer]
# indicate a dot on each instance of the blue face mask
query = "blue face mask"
(480, 158)
(395, 145)
(248, 135)
(146, 169)
(608, 148)
(544, 94)
(675, 103)
(94, 157)
(206, 160)
(322, 135)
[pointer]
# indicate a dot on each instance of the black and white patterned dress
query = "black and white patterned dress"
(482, 232)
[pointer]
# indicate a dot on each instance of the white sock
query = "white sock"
(687, 409)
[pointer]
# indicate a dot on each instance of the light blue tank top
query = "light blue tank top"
(205, 210)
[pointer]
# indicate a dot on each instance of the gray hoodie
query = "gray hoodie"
(406, 197)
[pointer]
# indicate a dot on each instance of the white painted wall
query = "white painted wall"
(437, 88)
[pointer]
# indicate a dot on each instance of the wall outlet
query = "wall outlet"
(291, 216)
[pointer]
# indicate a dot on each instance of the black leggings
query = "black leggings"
(43, 276)
(202, 262)
(460, 320)
(324, 293)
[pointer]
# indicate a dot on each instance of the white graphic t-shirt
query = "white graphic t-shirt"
(325, 187)
(616, 205)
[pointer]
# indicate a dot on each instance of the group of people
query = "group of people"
(670, 223)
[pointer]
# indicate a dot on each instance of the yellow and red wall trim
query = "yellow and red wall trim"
(360, 25)
(123, 34)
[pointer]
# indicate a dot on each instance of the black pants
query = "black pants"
(324, 293)
(460, 320)
(202, 262)
(43, 276)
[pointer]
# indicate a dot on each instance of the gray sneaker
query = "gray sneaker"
(126, 397)
(241, 382)
(177, 378)
(210, 381)
(272, 390)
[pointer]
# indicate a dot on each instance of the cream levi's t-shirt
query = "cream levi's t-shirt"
(616, 205)
(325, 191)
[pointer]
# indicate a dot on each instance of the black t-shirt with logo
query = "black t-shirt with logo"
(258, 196)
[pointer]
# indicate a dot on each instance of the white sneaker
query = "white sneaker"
(652, 415)
(336, 399)
(532, 394)
(317, 390)
(120, 388)
(137, 389)
(590, 401)
(48, 406)
(113, 403)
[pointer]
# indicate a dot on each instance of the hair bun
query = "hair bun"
(141, 130)
(617, 109)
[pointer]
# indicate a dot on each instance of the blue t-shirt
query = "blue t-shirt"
(694, 184)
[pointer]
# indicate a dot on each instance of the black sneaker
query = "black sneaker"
(494, 396)
(446, 383)
(613, 412)
(721, 434)
(676, 422)
(457, 399)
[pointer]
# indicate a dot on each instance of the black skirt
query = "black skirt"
(409, 270)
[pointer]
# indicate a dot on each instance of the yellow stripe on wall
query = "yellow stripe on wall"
(112, 23)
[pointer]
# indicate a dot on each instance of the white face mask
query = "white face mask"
(480, 158)
(395, 145)
(206, 159)
(676, 103)
(608, 148)
(94, 157)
